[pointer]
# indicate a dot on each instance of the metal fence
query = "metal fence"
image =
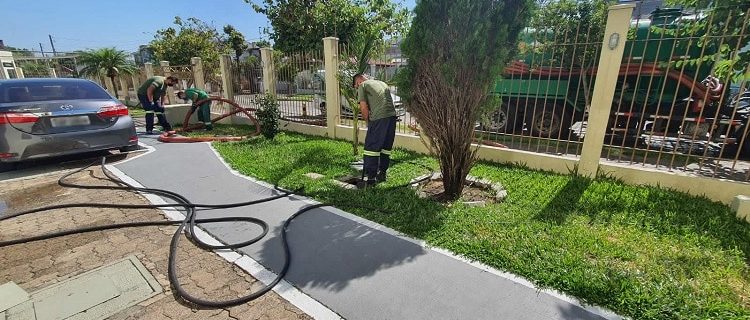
(382, 64)
(542, 96)
(46, 65)
(300, 86)
(212, 79)
(247, 81)
(677, 105)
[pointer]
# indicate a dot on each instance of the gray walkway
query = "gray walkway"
(358, 271)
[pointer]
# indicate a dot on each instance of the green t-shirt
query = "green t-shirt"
(160, 87)
(195, 94)
(377, 94)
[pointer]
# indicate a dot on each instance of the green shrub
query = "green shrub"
(268, 115)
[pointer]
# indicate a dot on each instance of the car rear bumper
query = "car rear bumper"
(16, 145)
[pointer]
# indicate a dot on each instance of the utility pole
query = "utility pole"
(54, 53)
(43, 55)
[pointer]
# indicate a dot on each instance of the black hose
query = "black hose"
(188, 224)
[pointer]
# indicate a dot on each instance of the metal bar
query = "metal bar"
(661, 95)
(639, 124)
(572, 116)
(718, 109)
(648, 94)
(554, 47)
(695, 78)
(721, 99)
(557, 92)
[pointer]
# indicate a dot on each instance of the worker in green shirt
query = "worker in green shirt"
(152, 95)
(377, 108)
(198, 96)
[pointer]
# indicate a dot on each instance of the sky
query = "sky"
(90, 24)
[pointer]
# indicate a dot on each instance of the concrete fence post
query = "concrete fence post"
(52, 73)
(269, 74)
(110, 86)
(333, 103)
(136, 78)
(149, 69)
(19, 73)
(225, 64)
(171, 98)
(613, 46)
(124, 88)
(197, 65)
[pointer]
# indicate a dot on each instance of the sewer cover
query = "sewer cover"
(62, 302)
(96, 294)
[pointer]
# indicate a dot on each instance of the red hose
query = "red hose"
(186, 127)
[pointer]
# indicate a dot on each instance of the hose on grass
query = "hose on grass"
(235, 109)
(188, 224)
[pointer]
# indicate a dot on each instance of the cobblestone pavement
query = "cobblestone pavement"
(39, 264)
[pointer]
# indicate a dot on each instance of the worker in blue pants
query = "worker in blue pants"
(376, 105)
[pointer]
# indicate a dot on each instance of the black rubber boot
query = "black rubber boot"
(367, 183)
(381, 176)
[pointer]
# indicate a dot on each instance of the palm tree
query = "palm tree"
(108, 62)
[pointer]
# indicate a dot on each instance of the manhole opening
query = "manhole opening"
(352, 180)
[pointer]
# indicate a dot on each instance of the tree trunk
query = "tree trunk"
(455, 162)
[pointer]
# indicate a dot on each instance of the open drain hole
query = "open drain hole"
(352, 180)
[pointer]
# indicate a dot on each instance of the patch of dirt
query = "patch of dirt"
(434, 190)
(33, 195)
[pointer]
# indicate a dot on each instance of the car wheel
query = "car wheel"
(130, 148)
(550, 121)
(498, 121)
(698, 130)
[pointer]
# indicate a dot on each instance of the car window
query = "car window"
(50, 90)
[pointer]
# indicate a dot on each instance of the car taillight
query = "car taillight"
(8, 118)
(113, 111)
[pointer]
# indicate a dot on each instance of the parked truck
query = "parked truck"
(653, 98)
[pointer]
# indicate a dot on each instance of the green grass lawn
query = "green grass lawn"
(643, 252)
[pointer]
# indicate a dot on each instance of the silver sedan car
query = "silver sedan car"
(42, 118)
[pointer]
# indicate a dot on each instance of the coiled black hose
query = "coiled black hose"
(188, 224)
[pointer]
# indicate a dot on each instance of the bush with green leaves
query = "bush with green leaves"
(268, 115)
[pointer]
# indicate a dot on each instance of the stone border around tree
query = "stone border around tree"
(499, 190)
